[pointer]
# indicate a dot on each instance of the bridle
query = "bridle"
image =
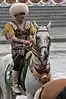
(36, 52)
(42, 30)
(35, 46)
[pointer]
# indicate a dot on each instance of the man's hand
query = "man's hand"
(8, 36)
(26, 42)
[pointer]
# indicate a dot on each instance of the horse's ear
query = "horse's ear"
(49, 25)
(35, 24)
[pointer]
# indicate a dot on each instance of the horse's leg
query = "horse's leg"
(31, 84)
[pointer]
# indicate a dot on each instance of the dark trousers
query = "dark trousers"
(19, 61)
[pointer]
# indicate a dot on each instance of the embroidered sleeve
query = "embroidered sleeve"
(8, 31)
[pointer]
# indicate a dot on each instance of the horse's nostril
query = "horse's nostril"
(44, 78)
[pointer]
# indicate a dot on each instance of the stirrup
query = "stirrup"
(16, 90)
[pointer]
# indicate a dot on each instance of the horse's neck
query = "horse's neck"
(35, 59)
(35, 56)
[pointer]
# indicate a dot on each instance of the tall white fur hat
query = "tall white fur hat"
(18, 8)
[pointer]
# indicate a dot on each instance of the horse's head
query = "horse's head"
(42, 40)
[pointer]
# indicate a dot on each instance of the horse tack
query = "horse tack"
(38, 54)
(43, 77)
(44, 70)
(34, 40)
(43, 30)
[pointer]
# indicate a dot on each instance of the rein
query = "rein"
(39, 68)
(38, 54)
(42, 47)
(42, 66)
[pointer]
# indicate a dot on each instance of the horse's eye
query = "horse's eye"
(37, 37)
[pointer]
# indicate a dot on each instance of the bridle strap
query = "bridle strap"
(42, 47)
(42, 31)
(37, 54)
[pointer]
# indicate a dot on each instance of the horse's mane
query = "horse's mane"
(62, 94)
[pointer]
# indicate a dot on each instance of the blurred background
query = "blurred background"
(42, 11)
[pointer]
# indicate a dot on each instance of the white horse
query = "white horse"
(39, 63)
(38, 72)
(5, 90)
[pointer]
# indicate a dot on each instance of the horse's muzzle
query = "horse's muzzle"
(44, 78)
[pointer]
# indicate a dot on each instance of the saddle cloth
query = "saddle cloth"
(8, 75)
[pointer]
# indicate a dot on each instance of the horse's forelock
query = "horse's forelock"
(43, 28)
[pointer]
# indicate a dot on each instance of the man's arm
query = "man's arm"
(10, 35)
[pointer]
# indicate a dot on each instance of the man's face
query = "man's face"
(20, 16)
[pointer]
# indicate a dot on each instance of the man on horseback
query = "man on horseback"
(18, 31)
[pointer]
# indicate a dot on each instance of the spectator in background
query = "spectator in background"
(47, 2)
(58, 1)
(23, 1)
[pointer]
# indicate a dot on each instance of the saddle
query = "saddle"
(8, 76)
(8, 72)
